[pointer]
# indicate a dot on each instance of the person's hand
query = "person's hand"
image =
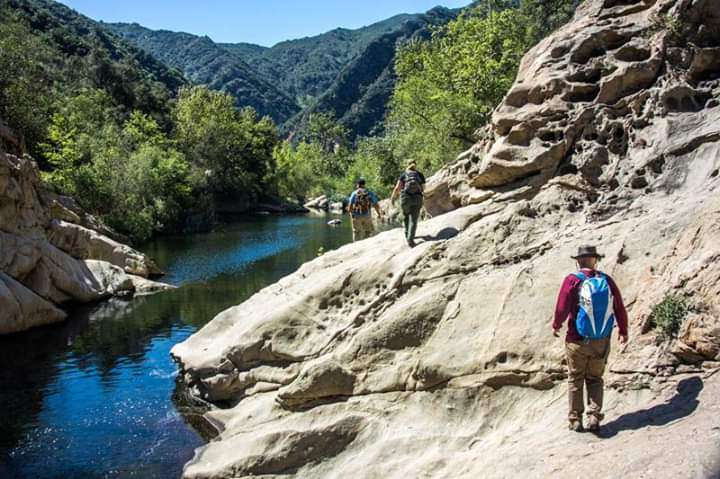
(623, 338)
(556, 332)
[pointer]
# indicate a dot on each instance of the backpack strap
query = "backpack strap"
(580, 275)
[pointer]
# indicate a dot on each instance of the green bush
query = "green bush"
(448, 87)
(667, 316)
(130, 174)
(234, 147)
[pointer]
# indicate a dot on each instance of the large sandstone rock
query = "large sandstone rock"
(22, 309)
(85, 243)
(319, 203)
(47, 260)
(438, 361)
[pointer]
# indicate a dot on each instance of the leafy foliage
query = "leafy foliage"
(450, 85)
(49, 52)
(667, 316)
(128, 173)
(322, 162)
(233, 147)
(25, 97)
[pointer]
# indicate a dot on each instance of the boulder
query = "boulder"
(50, 255)
(319, 203)
(337, 208)
(23, 309)
(84, 243)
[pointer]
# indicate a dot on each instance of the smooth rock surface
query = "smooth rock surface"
(438, 361)
(46, 259)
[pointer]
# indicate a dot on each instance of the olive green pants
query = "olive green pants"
(411, 206)
(586, 366)
(362, 227)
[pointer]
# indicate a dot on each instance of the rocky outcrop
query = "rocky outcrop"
(51, 253)
(438, 361)
(319, 203)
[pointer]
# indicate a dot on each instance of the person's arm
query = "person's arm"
(396, 191)
(566, 302)
(376, 204)
(351, 202)
(621, 315)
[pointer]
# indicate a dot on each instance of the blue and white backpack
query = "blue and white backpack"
(595, 318)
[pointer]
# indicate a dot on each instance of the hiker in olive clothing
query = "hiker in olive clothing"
(362, 201)
(410, 186)
(591, 303)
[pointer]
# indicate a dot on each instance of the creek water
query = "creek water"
(96, 396)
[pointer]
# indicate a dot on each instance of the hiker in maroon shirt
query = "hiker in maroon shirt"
(586, 357)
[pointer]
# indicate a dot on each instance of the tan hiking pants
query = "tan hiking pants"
(362, 227)
(586, 366)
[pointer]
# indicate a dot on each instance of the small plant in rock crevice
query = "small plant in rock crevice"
(675, 25)
(668, 315)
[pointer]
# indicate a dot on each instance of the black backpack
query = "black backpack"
(362, 202)
(412, 183)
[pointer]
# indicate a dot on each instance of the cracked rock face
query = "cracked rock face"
(438, 361)
(51, 253)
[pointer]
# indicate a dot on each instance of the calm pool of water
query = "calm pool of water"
(95, 396)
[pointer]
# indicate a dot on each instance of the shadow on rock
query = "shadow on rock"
(443, 234)
(681, 405)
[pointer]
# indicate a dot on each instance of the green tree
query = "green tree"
(448, 86)
(294, 172)
(323, 129)
(374, 160)
(150, 189)
(235, 148)
(81, 127)
(128, 173)
(26, 93)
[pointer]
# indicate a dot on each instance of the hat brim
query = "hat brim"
(597, 255)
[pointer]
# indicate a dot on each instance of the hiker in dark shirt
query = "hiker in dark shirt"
(410, 186)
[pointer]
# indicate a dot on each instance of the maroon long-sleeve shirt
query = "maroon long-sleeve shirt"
(566, 308)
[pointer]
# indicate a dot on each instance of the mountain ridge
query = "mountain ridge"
(204, 62)
(303, 75)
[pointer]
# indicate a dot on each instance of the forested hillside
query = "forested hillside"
(347, 73)
(306, 67)
(126, 136)
(49, 52)
(358, 97)
(207, 63)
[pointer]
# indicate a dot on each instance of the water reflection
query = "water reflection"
(93, 397)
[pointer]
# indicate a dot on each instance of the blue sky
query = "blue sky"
(264, 22)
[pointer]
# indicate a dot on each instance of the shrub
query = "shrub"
(667, 316)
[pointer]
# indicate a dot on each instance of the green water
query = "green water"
(96, 396)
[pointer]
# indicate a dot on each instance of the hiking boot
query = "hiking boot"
(593, 424)
(575, 425)
(411, 243)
